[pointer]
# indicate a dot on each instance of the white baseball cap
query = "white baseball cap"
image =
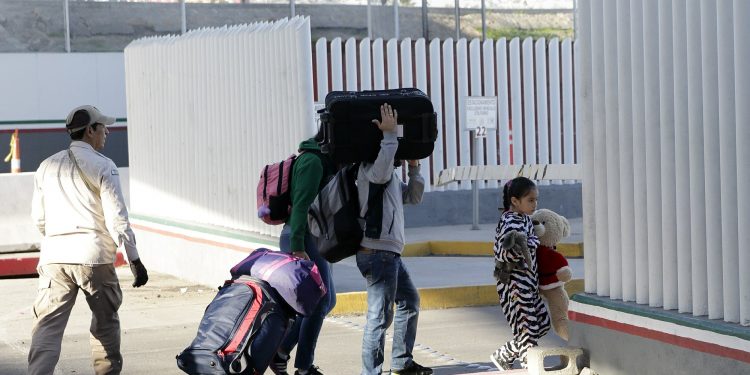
(92, 116)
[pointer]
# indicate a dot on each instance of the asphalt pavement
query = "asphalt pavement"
(160, 319)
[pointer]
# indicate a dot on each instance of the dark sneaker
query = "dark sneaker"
(278, 364)
(499, 362)
(414, 368)
(313, 370)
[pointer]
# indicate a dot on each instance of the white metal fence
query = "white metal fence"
(663, 94)
(532, 80)
(206, 110)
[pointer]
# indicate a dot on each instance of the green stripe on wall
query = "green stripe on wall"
(37, 122)
(209, 229)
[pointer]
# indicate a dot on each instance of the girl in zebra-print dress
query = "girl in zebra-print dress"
(519, 294)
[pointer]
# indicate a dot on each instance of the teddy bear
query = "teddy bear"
(552, 266)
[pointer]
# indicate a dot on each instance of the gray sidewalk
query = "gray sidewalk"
(160, 319)
(485, 233)
(433, 272)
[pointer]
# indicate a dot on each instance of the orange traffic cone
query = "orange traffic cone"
(14, 156)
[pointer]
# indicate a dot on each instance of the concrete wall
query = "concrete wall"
(629, 338)
(35, 25)
(17, 232)
(40, 89)
(616, 353)
(46, 86)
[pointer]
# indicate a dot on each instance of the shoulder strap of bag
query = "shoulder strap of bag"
(84, 177)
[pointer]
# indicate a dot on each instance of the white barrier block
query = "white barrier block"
(536, 355)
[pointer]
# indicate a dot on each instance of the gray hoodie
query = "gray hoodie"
(390, 234)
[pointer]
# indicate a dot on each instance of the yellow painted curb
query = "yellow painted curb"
(416, 249)
(462, 296)
(350, 303)
(571, 250)
(474, 248)
(430, 299)
(466, 248)
(438, 298)
(574, 286)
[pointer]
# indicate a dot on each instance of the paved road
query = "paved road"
(160, 319)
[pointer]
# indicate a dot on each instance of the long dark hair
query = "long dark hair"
(516, 188)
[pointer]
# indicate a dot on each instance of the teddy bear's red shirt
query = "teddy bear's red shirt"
(549, 261)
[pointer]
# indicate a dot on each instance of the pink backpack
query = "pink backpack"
(274, 201)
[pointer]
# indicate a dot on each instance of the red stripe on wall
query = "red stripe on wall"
(684, 342)
(193, 239)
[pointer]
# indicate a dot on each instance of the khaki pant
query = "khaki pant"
(58, 287)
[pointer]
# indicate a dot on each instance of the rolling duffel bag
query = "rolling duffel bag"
(296, 280)
(241, 330)
(350, 136)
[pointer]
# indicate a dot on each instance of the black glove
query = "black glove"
(139, 271)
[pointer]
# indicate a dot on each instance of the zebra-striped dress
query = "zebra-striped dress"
(519, 299)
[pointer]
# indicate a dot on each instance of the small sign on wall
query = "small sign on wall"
(481, 114)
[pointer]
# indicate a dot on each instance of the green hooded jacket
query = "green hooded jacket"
(310, 172)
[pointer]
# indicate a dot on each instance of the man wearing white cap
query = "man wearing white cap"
(79, 208)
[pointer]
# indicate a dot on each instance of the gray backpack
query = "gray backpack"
(333, 218)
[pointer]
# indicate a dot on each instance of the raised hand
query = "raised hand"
(389, 118)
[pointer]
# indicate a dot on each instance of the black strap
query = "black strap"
(281, 177)
(321, 223)
(244, 352)
(90, 185)
(374, 215)
(265, 184)
(268, 307)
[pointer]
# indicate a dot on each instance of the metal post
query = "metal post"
(369, 20)
(458, 22)
(484, 23)
(425, 31)
(475, 186)
(395, 18)
(291, 6)
(183, 17)
(66, 16)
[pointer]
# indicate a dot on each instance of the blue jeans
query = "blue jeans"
(305, 330)
(388, 281)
